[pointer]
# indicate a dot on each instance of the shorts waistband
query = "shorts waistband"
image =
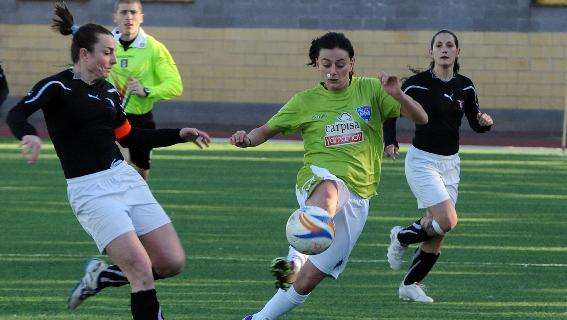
(433, 156)
(115, 167)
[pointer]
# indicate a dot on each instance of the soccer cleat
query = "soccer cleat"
(248, 317)
(285, 271)
(88, 285)
(281, 269)
(396, 251)
(413, 292)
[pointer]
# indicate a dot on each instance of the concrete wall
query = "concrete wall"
(460, 15)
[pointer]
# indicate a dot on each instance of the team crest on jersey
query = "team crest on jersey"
(460, 105)
(344, 131)
(123, 63)
(365, 112)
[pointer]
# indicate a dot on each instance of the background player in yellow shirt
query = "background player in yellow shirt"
(340, 120)
(144, 74)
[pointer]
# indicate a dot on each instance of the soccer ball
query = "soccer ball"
(310, 230)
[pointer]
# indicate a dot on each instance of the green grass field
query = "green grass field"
(507, 259)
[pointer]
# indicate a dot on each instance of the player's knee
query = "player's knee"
(172, 268)
(452, 222)
(438, 227)
(449, 220)
(441, 227)
(325, 196)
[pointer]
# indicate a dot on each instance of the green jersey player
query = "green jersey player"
(340, 120)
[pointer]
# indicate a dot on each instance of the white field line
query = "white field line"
(8, 256)
(403, 147)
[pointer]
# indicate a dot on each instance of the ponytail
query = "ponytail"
(63, 21)
(85, 36)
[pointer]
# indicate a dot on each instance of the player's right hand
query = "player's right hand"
(240, 139)
(31, 146)
(200, 138)
(392, 151)
(134, 86)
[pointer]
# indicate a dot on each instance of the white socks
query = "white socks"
(281, 302)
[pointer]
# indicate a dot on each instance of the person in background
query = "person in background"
(4, 91)
(432, 164)
(144, 74)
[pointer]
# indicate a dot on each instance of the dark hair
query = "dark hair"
(456, 66)
(84, 37)
(119, 2)
(329, 40)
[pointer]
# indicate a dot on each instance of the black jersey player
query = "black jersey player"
(432, 164)
(110, 199)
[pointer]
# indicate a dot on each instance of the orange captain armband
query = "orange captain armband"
(123, 130)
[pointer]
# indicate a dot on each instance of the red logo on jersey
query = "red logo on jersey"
(343, 139)
(344, 131)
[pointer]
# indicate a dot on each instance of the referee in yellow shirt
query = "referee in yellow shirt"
(144, 73)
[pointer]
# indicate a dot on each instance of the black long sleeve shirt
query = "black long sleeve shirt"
(445, 104)
(3, 87)
(83, 122)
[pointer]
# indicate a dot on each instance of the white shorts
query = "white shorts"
(352, 212)
(113, 202)
(432, 178)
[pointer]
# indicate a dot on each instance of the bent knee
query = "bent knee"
(170, 268)
(325, 196)
(442, 226)
(453, 222)
(449, 222)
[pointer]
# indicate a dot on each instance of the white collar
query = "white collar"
(141, 39)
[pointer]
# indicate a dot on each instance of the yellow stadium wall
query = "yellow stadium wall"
(511, 70)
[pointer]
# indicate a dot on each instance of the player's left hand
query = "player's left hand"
(198, 137)
(392, 151)
(135, 87)
(391, 84)
(484, 119)
(31, 147)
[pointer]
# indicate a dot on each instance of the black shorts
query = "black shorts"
(141, 156)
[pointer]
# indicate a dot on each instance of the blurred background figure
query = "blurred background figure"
(4, 91)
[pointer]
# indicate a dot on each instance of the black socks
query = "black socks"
(145, 306)
(420, 266)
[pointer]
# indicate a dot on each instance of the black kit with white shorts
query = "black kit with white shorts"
(108, 197)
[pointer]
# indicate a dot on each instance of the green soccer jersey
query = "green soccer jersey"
(149, 61)
(342, 131)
